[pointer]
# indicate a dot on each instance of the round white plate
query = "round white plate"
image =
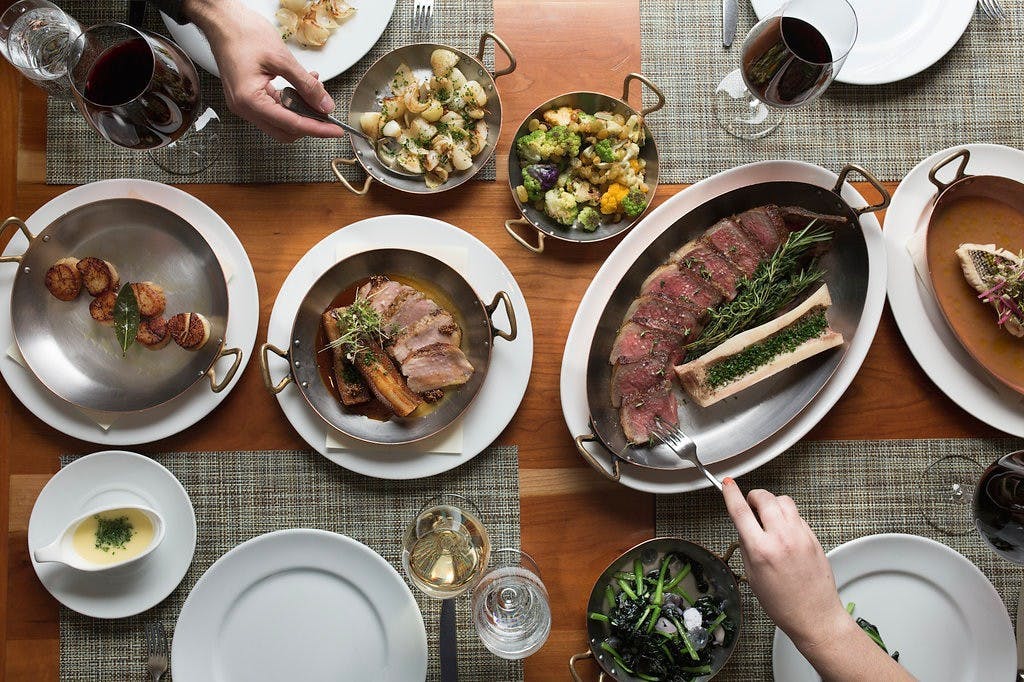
(917, 314)
(347, 44)
(300, 604)
(574, 363)
(507, 375)
(896, 40)
(109, 479)
(928, 602)
(192, 405)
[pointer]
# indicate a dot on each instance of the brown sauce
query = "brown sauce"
(374, 409)
(979, 220)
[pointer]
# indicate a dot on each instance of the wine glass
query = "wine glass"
(999, 506)
(511, 610)
(444, 552)
(788, 58)
(946, 490)
(138, 90)
(36, 37)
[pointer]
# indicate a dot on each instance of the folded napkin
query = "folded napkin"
(449, 441)
(917, 248)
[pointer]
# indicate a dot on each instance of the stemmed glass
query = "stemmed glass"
(789, 58)
(946, 489)
(444, 552)
(138, 90)
(999, 507)
(511, 610)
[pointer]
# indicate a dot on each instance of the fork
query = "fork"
(683, 446)
(422, 13)
(156, 643)
(992, 9)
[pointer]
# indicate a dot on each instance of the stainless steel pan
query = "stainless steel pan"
(478, 337)
(373, 87)
(80, 360)
(741, 422)
(589, 102)
(723, 582)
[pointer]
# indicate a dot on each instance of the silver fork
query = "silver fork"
(422, 13)
(156, 643)
(992, 9)
(683, 446)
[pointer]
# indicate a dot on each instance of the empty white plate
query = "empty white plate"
(300, 604)
(928, 602)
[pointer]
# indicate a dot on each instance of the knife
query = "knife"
(1020, 634)
(449, 653)
(729, 14)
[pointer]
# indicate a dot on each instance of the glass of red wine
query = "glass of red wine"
(999, 506)
(789, 58)
(138, 90)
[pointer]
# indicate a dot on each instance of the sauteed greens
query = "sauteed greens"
(658, 631)
(872, 632)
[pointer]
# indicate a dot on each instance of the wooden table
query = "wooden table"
(573, 521)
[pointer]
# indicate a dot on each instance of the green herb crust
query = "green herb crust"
(749, 360)
(113, 534)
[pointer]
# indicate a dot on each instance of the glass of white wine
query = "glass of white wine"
(445, 552)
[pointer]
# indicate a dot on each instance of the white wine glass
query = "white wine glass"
(511, 610)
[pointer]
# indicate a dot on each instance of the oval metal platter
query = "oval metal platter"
(742, 421)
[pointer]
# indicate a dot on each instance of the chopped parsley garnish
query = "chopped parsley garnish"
(113, 533)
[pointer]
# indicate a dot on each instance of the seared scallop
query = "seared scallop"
(63, 279)
(102, 307)
(153, 333)
(98, 275)
(150, 298)
(191, 331)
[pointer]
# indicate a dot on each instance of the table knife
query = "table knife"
(730, 10)
(1020, 634)
(449, 652)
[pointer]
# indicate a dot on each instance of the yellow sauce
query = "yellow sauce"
(88, 542)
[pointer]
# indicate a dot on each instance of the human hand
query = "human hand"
(250, 54)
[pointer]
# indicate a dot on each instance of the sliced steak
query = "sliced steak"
(636, 342)
(438, 365)
(765, 226)
(680, 284)
(729, 239)
(638, 377)
(797, 218)
(640, 412)
(665, 315)
(713, 268)
(438, 327)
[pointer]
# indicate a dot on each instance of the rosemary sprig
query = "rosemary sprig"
(775, 284)
(359, 323)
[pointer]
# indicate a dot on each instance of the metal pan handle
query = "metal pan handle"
(869, 176)
(729, 552)
(24, 229)
(961, 172)
(218, 386)
(614, 475)
(498, 43)
(581, 657)
(646, 81)
(513, 328)
(519, 238)
(343, 180)
(265, 368)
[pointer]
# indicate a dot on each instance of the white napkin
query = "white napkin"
(917, 248)
(449, 441)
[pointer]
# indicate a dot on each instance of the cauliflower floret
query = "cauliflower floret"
(546, 145)
(612, 197)
(560, 117)
(561, 206)
(603, 150)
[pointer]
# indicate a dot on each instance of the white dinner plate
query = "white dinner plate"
(896, 40)
(507, 375)
(573, 382)
(928, 602)
(110, 479)
(195, 403)
(347, 44)
(918, 315)
(300, 604)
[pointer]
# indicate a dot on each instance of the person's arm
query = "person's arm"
(250, 53)
(791, 577)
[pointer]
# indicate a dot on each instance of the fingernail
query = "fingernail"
(327, 104)
(727, 480)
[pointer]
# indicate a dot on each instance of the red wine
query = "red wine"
(787, 63)
(999, 506)
(120, 74)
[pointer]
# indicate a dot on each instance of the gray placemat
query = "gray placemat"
(239, 495)
(845, 490)
(972, 95)
(75, 154)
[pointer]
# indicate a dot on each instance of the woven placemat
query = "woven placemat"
(845, 490)
(75, 154)
(971, 95)
(239, 495)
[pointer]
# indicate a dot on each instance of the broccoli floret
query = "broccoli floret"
(533, 189)
(533, 147)
(566, 141)
(604, 151)
(589, 218)
(634, 203)
(561, 206)
(555, 144)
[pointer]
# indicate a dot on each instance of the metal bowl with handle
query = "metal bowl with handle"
(79, 359)
(590, 102)
(723, 582)
(374, 86)
(478, 332)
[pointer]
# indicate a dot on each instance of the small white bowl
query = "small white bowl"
(62, 549)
